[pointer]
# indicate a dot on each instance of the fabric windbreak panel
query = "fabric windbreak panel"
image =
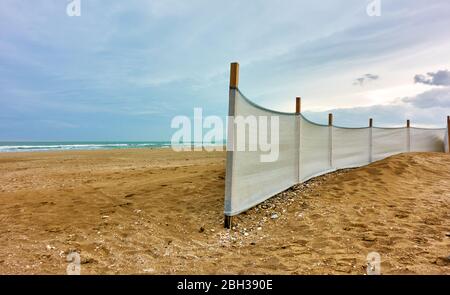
(315, 148)
(294, 149)
(388, 142)
(351, 147)
(259, 174)
(427, 140)
(447, 146)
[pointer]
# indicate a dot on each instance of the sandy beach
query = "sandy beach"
(155, 211)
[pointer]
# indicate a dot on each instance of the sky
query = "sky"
(123, 69)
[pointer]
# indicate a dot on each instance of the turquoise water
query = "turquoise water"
(77, 145)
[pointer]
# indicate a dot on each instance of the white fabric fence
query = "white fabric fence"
(306, 150)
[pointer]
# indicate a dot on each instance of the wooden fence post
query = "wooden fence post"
(298, 110)
(330, 137)
(370, 140)
(408, 139)
(234, 83)
(298, 105)
(448, 133)
(228, 222)
(234, 75)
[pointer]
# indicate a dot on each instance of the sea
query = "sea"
(34, 146)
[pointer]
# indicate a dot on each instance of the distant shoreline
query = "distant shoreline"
(20, 147)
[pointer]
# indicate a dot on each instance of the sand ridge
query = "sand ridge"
(155, 211)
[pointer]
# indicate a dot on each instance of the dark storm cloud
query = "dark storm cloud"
(439, 78)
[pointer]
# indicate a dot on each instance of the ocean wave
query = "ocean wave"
(17, 147)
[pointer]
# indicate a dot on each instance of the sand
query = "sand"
(161, 212)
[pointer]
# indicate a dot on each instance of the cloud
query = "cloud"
(383, 115)
(366, 78)
(389, 115)
(439, 78)
(122, 70)
(427, 109)
(433, 98)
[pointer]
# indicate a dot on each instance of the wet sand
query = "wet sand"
(160, 212)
